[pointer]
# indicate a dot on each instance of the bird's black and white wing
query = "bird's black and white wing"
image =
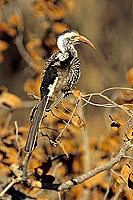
(35, 125)
(61, 72)
(47, 87)
(49, 76)
(74, 72)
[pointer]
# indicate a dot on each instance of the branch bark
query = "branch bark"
(86, 176)
(80, 179)
(93, 172)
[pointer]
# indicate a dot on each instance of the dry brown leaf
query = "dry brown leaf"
(33, 86)
(59, 27)
(50, 40)
(128, 135)
(3, 45)
(130, 180)
(77, 93)
(1, 58)
(125, 171)
(130, 76)
(76, 165)
(2, 3)
(115, 125)
(6, 28)
(68, 144)
(39, 8)
(4, 169)
(125, 97)
(34, 49)
(10, 100)
(55, 12)
(45, 167)
(78, 122)
(23, 129)
(15, 20)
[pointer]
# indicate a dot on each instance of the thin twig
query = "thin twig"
(70, 183)
(51, 141)
(117, 105)
(13, 181)
(108, 89)
(85, 140)
(97, 170)
(80, 179)
(58, 117)
(59, 195)
(8, 119)
(116, 196)
(63, 130)
(17, 140)
(119, 175)
(62, 111)
(63, 149)
(113, 104)
(34, 96)
(19, 43)
(107, 191)
(116, 88)
(129, 157)
(107, 105)
(49, 128)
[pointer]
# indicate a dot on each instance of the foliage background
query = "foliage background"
(109, 25)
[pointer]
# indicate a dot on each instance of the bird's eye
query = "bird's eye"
(73, 37)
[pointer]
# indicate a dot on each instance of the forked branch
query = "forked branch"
(78, 180)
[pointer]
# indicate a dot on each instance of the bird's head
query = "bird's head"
(70, 38)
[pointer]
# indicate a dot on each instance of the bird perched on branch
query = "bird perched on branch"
(61, 72)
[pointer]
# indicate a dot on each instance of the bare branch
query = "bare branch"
(70, 183)
(109, 89)
(13, 181)
(17, 141)
(116, 196)
(80, 179)
(23, 52)
(9, 117)
(63, 130)
(107, 191)
(88, 175)
(110, 105)
(116, 88)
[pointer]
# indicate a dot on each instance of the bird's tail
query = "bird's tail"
(35, 125)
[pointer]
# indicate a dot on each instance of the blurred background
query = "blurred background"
(28, 32)
(30, 29)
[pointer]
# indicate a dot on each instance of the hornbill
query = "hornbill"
(61, 72)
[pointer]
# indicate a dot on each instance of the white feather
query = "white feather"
(51, 87)
(61, 43)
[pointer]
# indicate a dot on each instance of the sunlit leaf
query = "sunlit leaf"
(15, 20)
(115, 125)
(59, 27)
(10, 100)
(78, 122)
(77, 93)
(125, 171)
(33, 86)
(128, 135)
(3, 45)
(130, 180)
(130, 76)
